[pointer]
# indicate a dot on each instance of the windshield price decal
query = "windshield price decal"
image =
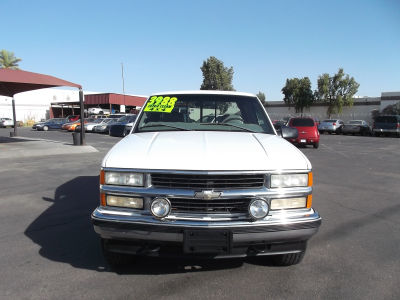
(161, 104)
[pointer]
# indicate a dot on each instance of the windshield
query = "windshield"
(386, 119)
(302, 122)
(105, 121)
(204, 112)
(355, 122)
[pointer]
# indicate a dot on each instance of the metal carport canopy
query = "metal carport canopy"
(17, 81)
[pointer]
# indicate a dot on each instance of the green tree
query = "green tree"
(337, 91)
(393, 109)
(298, 93)
(262, 97)
(216, 76)
(8, 60)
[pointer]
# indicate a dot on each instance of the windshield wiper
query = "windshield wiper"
(231, 125)
(170, 126)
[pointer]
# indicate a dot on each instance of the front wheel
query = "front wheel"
(288, 259)
(45, 128)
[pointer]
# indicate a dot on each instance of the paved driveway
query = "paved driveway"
(48, 248)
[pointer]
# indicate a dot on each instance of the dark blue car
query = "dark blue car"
(55, 123)
(119, 128)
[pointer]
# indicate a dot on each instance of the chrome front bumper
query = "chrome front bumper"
(280, 227)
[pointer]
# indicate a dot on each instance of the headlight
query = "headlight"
(290, 180)
(120, 201)
(287, 203)
(124, 178)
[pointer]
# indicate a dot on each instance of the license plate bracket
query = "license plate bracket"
(207, 241)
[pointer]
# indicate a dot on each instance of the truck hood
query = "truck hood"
(205, 151)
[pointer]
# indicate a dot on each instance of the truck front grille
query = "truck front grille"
(199, 182)
(209, 206)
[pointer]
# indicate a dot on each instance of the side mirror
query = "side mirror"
(288, 132)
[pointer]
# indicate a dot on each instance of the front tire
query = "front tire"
(45, 128)
(115, 259)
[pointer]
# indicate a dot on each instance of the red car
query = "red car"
(308, 131)
(73, 118)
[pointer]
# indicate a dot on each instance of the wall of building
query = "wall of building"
(362, 110)
(389, 98)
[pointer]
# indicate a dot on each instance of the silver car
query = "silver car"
(356, 127)
(102, 127)
(331, 126)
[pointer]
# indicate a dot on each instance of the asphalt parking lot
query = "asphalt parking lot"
(49, 250)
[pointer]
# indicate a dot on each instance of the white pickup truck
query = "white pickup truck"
(230, 187)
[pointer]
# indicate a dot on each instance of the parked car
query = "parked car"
(308, 131)
(67, 125)
(102, 127)
(356, 127)
(177, 185)
(90, 126)
(6, 122)
(77, 123)
(331, 126)
(386, 125)
(73, 118)
(55, 123)
(34, 126)
(119, 128)
(98, 111)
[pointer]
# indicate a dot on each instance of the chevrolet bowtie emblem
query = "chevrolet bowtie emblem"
(207, 195)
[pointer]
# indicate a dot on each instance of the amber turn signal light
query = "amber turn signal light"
(102, 176)
(309, 201)
(103, 199)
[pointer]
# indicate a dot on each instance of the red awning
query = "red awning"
(17, 81)
(112, 98)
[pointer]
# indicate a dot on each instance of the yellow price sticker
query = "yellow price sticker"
(161, 104)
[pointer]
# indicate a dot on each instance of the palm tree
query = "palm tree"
(8, 60)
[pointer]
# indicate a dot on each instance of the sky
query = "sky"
(162, 44)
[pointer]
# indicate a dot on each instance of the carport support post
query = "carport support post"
(82, 117)
(14, 117)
